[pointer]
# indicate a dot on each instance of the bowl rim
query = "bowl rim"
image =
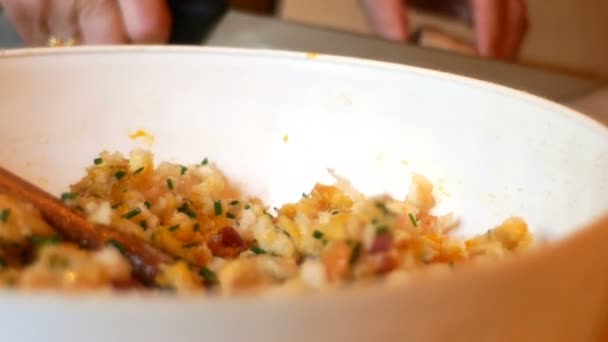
(310, 56)
(367, 290)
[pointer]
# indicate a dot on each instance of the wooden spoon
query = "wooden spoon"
(144, 258)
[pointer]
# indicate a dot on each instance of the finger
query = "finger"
(146, 22)
(27, 17)
(62, 20)
(516, 26)
(489, 20)
(100, 22)
(388, 18)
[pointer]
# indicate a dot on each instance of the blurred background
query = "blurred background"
(563, 57)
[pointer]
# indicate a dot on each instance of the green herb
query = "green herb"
(317, 234)
(138, 170)
(132, 213)
(325, 242)
(119, 174)
(217, 207)
(375, 221)
(97, 161)
(205, 162)
(382, 230)
(182, 170)
(335, 212)
(235, 202)
(172, 228)
(186, 209)
(247, 206)
(116, 205)
(285, 232)
(304, 195)
(413, 219)
(257, 250)
(196, 227)
(147, 204)
(230, 215)
(382, 207)
(46, 240)
(356, 254)
(189, 245)
(143, 224)
(4, 214)
(117, 245)
(208, 275)
(170, 183)
(66, 196)
(58, 262)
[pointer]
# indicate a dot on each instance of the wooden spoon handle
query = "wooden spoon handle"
(144, 258)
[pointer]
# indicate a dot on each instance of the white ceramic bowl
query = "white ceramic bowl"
(492, 152)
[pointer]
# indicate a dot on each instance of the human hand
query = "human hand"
(90, 21)
(500, 25)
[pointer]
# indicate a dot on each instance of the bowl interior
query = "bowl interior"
(274, 122)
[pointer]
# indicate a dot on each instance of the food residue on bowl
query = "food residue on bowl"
(143, 136)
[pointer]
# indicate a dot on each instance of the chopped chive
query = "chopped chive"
(46, 240)
(66, 196)
(217, 207)
(185, 209)
(230, 215)
(382, 230)
(356, 254)
(257, 250)
(335, 212)
(196, 227)
(172, 228)
(304, 195)
(138, 170)
(132, 213)
(147, 204)
(4, 214)
(317, 234)
(208, 275)
(119, 174)
(382, 207)
(170, 183)
(97, 161)
(235, 202)
(143, 224)
(182, 170)
(413, 219)
(117, 245)
(205, 162)
(285, 232)
(189, 245)
(247, 206)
